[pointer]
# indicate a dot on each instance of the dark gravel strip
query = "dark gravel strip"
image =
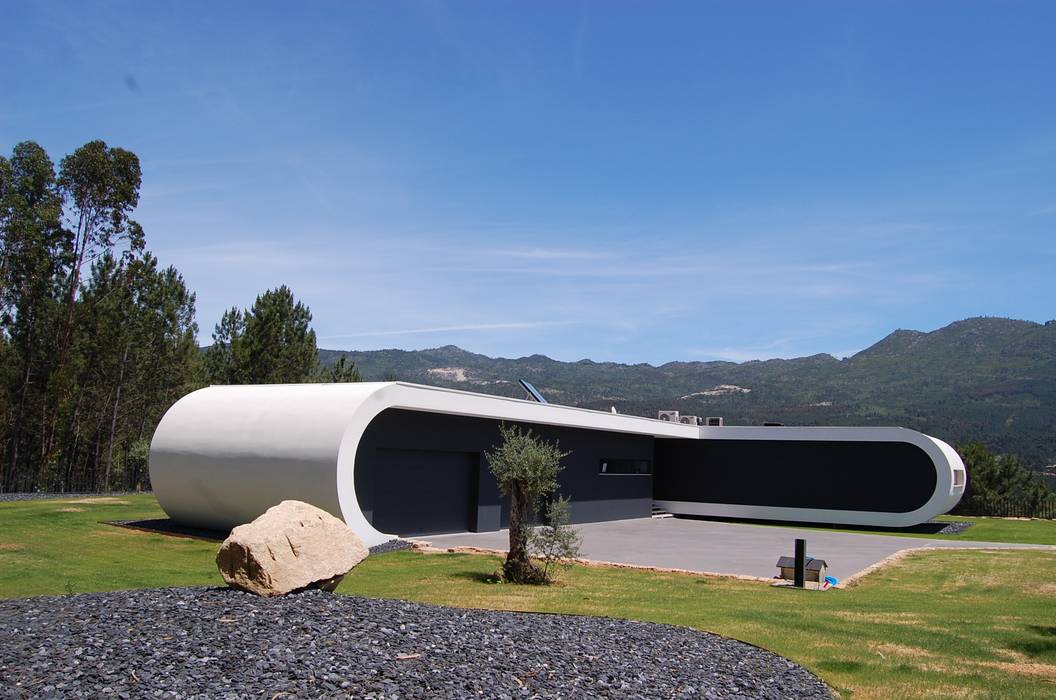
(10, 497)
(216, 643)
(951, 528)
(390, 546)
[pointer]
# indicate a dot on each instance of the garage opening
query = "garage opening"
(420, 492)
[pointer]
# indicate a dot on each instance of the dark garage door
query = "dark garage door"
(420, 492)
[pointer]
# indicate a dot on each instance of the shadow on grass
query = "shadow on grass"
(842, 666)
(165, 526)
(1042, 646)
(1045, 631)
(478, 576)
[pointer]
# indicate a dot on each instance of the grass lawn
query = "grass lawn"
(62, 546)
(982, 530)
(951, 624)
(956, 624)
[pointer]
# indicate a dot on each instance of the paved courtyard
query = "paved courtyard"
(723, 548)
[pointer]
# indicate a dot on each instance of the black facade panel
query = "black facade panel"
(426, 441)
(892, 477)
(418, 492)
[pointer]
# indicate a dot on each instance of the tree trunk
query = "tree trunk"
(95, 461)
(50, 427)
(16, 437)
(71, 461)
(113, 420)
(42, 470)
(70, 451)
(79, 249)
(518, 567)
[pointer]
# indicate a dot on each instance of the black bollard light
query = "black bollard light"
(801, 563)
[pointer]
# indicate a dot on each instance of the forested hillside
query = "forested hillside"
(986, 379)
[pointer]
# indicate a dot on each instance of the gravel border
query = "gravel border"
(391, 546)
(951, 528)
(220, 643)
(12, 497)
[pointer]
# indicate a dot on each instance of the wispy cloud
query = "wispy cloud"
(449, 329)
(551, 254)
(748, 354)
(775, 349)
(452, 287)
(245, 255)
(1045, 210)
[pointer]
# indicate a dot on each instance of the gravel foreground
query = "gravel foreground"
(219, 643)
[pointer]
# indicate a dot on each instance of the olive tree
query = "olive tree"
(526, 468)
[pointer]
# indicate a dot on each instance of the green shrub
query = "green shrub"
(555, 543)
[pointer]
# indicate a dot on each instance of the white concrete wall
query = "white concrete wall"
(221, 456)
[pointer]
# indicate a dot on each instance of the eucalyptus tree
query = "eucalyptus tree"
(34, 250)
(87, 366)
(100, 185)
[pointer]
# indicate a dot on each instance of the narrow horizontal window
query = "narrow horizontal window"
(626, 466)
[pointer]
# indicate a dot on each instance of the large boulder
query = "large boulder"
(292, 546)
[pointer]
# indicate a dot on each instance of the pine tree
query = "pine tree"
(136, 354)
(279, 342)
(224, 358)
(341, 372)
(996, 478)
(271, 343)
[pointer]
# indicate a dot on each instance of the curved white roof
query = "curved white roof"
(222, 455)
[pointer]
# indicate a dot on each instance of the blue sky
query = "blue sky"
(628, 181)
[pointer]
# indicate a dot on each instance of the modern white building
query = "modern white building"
(391, 458)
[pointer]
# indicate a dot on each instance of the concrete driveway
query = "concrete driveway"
(724, 548)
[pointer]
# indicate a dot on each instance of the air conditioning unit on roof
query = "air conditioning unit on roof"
(713, 421)
(689, 420)
(669, 416)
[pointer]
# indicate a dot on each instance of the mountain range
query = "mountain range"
(987, 379)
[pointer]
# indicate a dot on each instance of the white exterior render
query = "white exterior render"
(222, 455)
